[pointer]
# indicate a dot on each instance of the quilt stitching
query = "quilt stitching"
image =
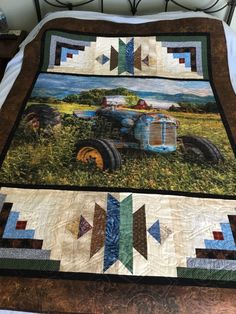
(107, 233)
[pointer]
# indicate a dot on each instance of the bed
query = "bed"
(118, 149)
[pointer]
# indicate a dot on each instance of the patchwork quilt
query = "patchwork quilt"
(118, 151)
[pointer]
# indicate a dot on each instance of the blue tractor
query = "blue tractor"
(114, 130)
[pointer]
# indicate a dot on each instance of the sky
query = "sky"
(62, 85)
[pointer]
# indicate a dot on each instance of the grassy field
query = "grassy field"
(51, 160)
(64, 107)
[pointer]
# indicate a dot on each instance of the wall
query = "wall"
(21, 13)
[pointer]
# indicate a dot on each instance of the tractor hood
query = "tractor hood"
(119, 115)
(130, 117)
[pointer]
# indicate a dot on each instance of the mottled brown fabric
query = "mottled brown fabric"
(232, 221)
(98, 233)
(74, 296)
(216, 254)
(4, 214)
(31, 64)
(140, 232)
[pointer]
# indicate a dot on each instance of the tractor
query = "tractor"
(116, 129)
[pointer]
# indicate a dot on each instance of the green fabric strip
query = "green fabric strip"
(179, 38)
(122, 57)
(29, 264)
(206, 274)
(126, 233)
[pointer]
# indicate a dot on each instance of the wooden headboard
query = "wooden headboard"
(215, 7)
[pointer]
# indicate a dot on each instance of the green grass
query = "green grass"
(64, 107)
(51, 160)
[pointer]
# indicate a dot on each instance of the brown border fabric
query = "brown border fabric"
(31, 62)
(72, 296)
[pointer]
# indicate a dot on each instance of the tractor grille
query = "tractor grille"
(170, 138)
(155, 136)
(162, 134)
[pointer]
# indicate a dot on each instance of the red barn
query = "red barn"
(141, 104)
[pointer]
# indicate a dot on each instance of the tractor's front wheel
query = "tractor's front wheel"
(102, 153)
(200, 149)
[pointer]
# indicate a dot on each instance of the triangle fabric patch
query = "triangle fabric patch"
(146, 60)
(155, 231)
(84, 227)
(102, 59)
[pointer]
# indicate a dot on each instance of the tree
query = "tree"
(212, 107)
(209, 107)
(131, 100)
(72, 98)
(95, 96)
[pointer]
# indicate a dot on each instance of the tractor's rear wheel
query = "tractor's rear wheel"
(115, 152)
(201, 149)
(99, 152)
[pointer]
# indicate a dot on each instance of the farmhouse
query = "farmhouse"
(162, 104)
(114, 100)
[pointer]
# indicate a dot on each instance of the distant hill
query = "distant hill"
(161, 104)
(177, 98)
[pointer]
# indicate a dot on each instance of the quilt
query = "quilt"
(118, 151)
